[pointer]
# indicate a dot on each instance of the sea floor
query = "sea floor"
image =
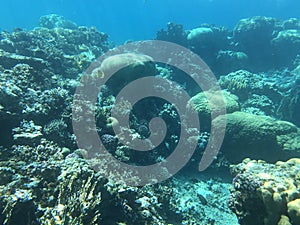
(204, 197)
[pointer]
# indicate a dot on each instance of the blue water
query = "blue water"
(141, 19)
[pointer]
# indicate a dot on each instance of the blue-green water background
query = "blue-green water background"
(141, 19)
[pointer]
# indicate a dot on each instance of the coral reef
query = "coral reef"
(228, 61)
(251, 31)
(258, 137)
(206, 40)
(125, 68)
(241, 83)
(39, 72)
(286, 39)
(174, 33)
(266, 193)
(252, 34)
(199, 103)
(45, 178)
(47, 184)
(256, 44)
(60, 191)
(58, 48)
(289, 107)
(198, 200)
(55, 21)
(265, 93)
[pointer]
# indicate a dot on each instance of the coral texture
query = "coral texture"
(266, 194)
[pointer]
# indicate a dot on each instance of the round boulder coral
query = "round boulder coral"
(230, 61)
(294, 210)
(252, 34)
(200, 104)
(286, 39)
(124, 68)
(109, 141)
(258, 137)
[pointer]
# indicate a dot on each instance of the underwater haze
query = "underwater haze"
(140, 19)
(150, 112)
